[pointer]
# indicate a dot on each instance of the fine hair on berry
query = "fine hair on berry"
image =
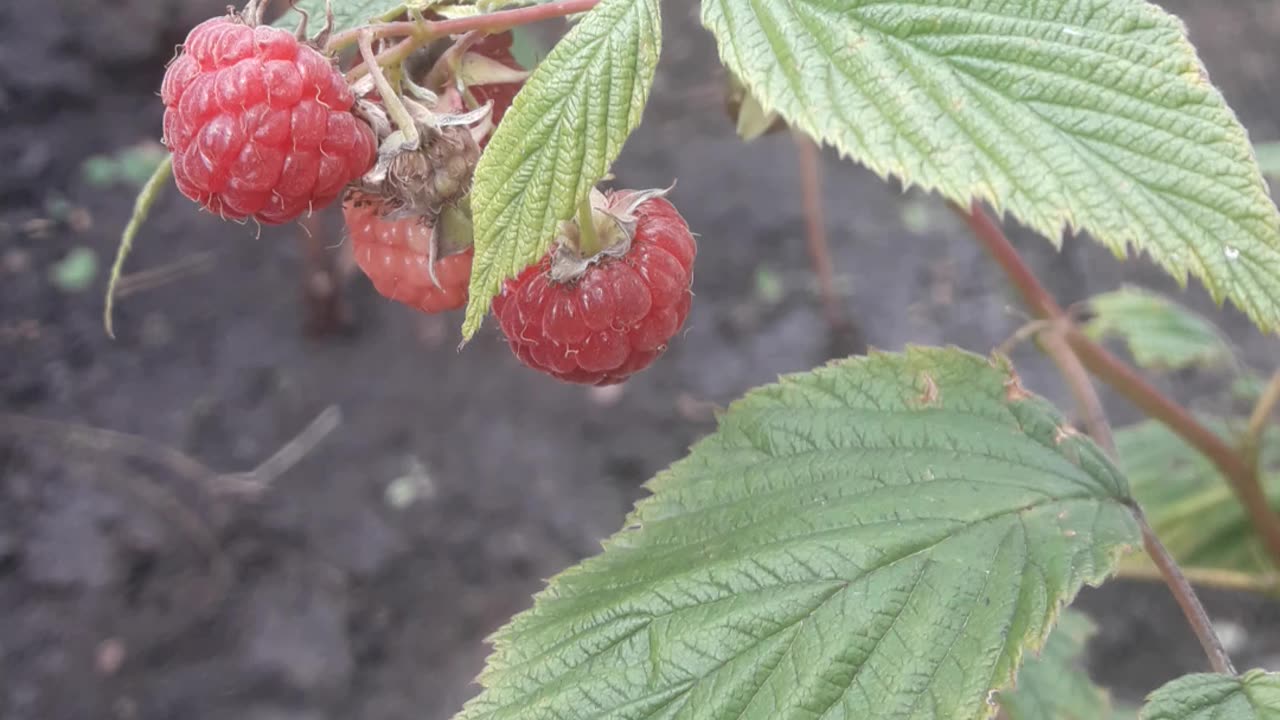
(614, 318)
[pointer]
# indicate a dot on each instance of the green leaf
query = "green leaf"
(527, 48)
(563, 131)
(1160, 333)
(1269, 159)
(882, 537)
(75, 272)
(1094, 115)
(1252, 696)
(1055, 686)
(347, 14)
(1188, 502)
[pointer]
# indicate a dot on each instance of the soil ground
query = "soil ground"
(362, 583)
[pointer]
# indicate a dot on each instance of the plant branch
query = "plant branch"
(1251, 447)
(816, 228)
(1055, 345)
(418, 33)
(1186, 597)
(1052, 338)
(390, 100)
(1126, 381)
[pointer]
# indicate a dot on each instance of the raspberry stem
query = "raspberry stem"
(419, 33)
(390, 99)
(588, 240)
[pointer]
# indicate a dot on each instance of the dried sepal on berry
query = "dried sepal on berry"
(424, 170)
(599, 316)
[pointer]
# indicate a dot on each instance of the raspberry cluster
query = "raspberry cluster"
(262, 125)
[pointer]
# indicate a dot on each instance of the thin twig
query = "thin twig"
(418, 34)
(992, 237)
(1054, 339)
(1186, 597)
(162, 275)
(1251, 446)
(390, 99)
(123, 444)
(1131, 385)
(1055, 345)
(816, 228)
(257, 480)
(1026, 332)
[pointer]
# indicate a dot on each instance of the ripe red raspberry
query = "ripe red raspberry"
(615, 316)
(397, 256)
(259, 123)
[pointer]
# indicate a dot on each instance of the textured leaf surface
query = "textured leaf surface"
(1252, 696)
(1055, 686)
(1188, 502)
(882, 537)
(1090, 114)
(563, 131)
(1160, 333)
(347, 14)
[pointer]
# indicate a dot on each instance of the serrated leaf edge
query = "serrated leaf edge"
(501, 638)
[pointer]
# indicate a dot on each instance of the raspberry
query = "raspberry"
(259, 123)
(396, 254)
(614, 316)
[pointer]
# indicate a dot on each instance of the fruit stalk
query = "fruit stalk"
(588, 240)
(390, 99)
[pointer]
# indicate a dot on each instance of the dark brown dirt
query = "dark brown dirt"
(362, 583)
